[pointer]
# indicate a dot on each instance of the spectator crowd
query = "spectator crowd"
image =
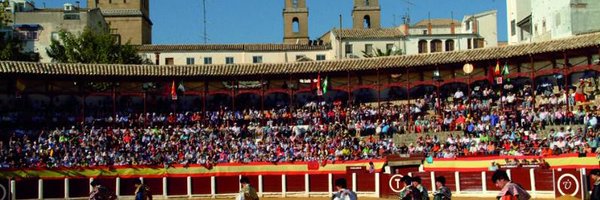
(490, 120)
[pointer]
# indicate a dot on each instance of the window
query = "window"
(367, 21)
(424, 32)
(469, 44)
(557, 19)
(229, 60)
(389, 47)
(367, 2)
(295, 25)
(478, 43)
(257, 59)
(369, 49)
(321, 57)
(348, 49)
(190, 61)
(513, 27)
(169, 61)
(436, 46)
(468, 25)
(207, 60)
(449, 45)
(423, 46)
(295, 3)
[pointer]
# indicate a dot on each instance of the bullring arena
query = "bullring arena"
(115, 124)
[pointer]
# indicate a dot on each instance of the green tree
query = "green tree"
(379, 53)
(92, 47)
(10, 47)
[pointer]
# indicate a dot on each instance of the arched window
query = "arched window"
(367, 21)
(436, 46)
(367, 2)
(295, 25)
(423, 46)
(295, 3)
(449, 45)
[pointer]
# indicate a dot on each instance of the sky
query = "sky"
(261, 21)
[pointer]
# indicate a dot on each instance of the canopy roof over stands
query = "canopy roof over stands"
(407, 61)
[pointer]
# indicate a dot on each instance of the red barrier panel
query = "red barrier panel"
(388, 183)
(79, 187)
(27, 188)
(201, 185)
(450, 180)
(227, 184)
(318, 183)
(543, 180)
(470, 181)
(295, 183)
(177, 186)
(128, 186)
(4, 188)
(272, 183)
(425, 179)
(54, 189)
(488, 182)
(522, 177)
(155, 185)
(365, 182)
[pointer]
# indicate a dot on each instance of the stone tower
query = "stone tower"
(128, 18)
(295, 22)
(366, 14)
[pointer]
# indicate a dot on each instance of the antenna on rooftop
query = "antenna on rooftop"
(406, 17)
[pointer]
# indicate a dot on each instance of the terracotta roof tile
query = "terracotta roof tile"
(370, 33)
(86, 70)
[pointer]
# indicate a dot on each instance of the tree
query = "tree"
(10, 47)
(92, 47)
(380, 53)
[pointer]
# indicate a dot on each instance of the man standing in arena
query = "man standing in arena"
(442, 192)
(509, 190)
(99, 192)
(343, 193)
(247, 192)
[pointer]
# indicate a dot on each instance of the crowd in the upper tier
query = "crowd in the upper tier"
(501, 121)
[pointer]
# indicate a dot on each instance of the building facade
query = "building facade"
(37, 27)
(426, 36)
(128, 18)
(543, 20)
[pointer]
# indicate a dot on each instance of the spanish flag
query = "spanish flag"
(497, 70)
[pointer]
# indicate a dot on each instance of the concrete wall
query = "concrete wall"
(517, 10)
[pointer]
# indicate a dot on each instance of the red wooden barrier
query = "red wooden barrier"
(365, 182)
(488, 182)
(177, 186)
(227, 184)
(201, 185)
(470, 181)
(318, 183)
(155, 185)
(348, 178)
(79, 187)
(54, 188)
(543, 180)
(27, 189)
(272, 183)
(128, 186)
(295, 183)
(522, 177)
